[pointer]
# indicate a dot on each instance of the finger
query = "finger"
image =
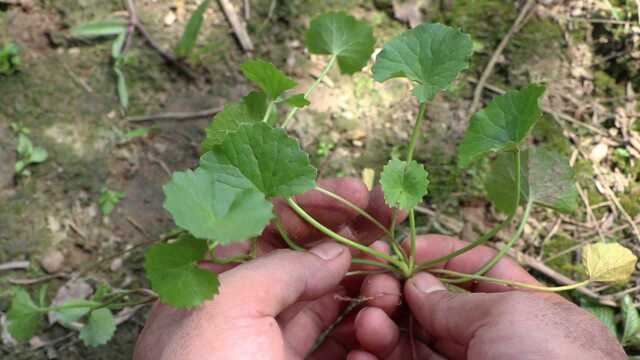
(376, 332)
(361, 355)
(353, 284)
(272, 283)
(414, 349)
(323, 208)
(382, 291)
(315, 317)
(366, 232)
(429, 247)
(447, 316)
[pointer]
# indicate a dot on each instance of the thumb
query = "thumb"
(270, 284)
(448, 317)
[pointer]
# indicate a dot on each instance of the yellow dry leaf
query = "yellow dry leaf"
(368, 176)
(608, 262)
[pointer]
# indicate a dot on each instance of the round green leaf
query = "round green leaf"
(504, 123)
(404, 184)
(269, 158)
(25, 317)
(99, 329)
(546, 178)
(430, 55)
(342, 35)
(175, 275)
(217, 203)
(264, 74)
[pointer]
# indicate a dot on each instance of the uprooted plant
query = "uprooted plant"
(249, 159)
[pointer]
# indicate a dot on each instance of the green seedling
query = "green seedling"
(28, 154)
(108, 200)
(10, 59)
(249, 159)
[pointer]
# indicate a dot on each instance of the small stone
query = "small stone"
(74, 51)
(52, 261)
(116, 264)
(170, 18)
(599, 152)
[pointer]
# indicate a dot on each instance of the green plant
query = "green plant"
(9, 59)
(28, 154)
(249, 159)
(108, 200)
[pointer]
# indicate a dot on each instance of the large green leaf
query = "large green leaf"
(342, 35)
(546, 178)
(271, 80)
(503, 124)
(175, 275)
(269, 158)
(404, 184)
(250, 109)
(25, 317)
(216, 202)
(109, 27)
(99, 329)
(430, 55)
(190, 35)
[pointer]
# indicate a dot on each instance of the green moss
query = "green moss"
(565, 264)
(630, 200)
(606, 86)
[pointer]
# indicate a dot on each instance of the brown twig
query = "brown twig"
(176, 116)
(14, 265)
(32, 281)
(488, 70)
(237, 25)
(134, 21)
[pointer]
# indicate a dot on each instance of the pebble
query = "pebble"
(170, 18)
(52, 261)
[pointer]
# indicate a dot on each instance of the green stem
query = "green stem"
(339, 238)
(416, 131)
(322, 75)
(283, 233)
(506, 282)
(483, 239)
(505, 249)
(368, 262)
(518, 180)
(268, 112)
(238, 259)
(412, 225)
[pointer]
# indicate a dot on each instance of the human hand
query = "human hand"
(492, 322)
(236, 321)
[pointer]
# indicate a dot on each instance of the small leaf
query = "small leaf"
(38, 155)
(190, 35)
(268, 78)
(67, 316)
(430, 55)
(298, 100)
(123, 93)
(269, 158)
(546, 178)
(337, 33)
(608, 262)
(404, 184)
(631, 319)
(116, 47)
(110, 27)
(503, 124)
(108, 201)
(216, 202)
(25, 317)
(99, 329)
(605, 314)
(250, 109)
(175, 275)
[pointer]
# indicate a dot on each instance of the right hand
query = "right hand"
(492, 322)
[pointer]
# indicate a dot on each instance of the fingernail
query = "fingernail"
(427, 283)
(328, 251)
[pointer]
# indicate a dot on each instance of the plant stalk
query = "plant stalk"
(341, 239)
(506, 282)
(283, 233)
(412, 225)
(416, 131)
(268, 112)
(323, 74)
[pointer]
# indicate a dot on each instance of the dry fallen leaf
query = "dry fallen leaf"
(608, 262)
(368, 176)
